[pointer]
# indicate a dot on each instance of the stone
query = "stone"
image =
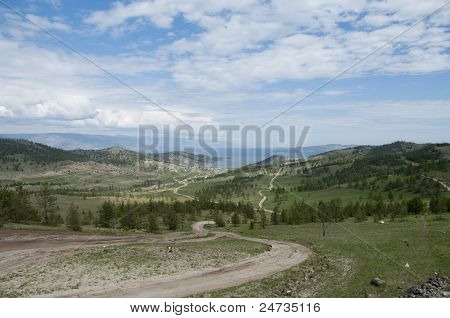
(377, 282)
(433, 287)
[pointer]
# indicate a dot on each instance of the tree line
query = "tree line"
(16, 206)
(151, 215)
(335, 210)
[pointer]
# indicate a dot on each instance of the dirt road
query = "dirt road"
(26, 247)
(263, 197)
(184, 183)
(282, 255)
(438, 181)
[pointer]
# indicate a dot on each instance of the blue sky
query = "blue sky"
(228, 62)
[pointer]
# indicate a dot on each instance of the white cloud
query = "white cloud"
(248, 43)
(219, 71)
(160, 13)
(63, 107)
(378, 20)
(5, 112)
(47, 23)
(335, 92)
(132, 118)
(20, 29)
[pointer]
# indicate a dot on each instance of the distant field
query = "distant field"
(310, 197)
(247, 194)
(90, 203)
(345, 194)
(192, 188)
(351, 254)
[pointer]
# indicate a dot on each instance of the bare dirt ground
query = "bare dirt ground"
(20, 247)
(442, 183)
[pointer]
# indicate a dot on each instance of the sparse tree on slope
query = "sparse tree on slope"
(152, 223)
(235, 219)
(106, 214)
(263, 218)
(218, 218)
(47, 206)
(73, 221)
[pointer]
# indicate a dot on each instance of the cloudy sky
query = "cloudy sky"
(228, 62)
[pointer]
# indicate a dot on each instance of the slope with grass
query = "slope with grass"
(351, 254)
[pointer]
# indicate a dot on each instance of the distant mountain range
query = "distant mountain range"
(68, 141)
(71, 141)
(310, 150)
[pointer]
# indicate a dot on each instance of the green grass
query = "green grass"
(247, 194)
(90, 203)
(310, 197)
(193, 187)
(21, 226)
(343, 193)
(351, 254)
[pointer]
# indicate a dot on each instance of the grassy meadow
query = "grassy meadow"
(350, 255)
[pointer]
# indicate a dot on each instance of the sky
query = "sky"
(227, 62)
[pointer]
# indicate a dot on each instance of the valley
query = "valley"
(323, 226)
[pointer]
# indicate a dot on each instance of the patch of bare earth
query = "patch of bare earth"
(96, 267)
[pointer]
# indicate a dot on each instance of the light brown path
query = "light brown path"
(281, 256)
(440, 182)
(263, 197)
(184, 183)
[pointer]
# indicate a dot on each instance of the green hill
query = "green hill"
(18, 150)
(12, 150)
(114, 155)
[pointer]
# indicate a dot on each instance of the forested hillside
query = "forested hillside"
(16, 150)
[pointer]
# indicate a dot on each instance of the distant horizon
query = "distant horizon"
(275, 147)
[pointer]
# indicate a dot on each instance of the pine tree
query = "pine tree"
(218, 218)
(87, 217)
(172, 221)
(360, 212)
(275, 218)
(415, 206)
(73, 221)
(235, 219)
(106, 214)
(152, 223)
(263, 218)
(47, 206)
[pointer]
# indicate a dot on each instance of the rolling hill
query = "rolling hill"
(12, 150)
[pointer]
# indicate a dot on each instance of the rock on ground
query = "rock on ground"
(434, 287)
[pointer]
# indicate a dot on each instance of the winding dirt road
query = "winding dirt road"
(263, 197)
(438, 181)
(281, 256)
(184, 183)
